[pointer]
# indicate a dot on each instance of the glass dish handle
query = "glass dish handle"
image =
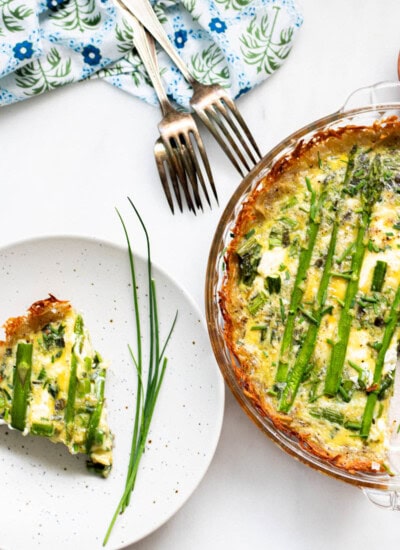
(390, 500)
(378, 94)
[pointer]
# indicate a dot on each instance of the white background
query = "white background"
(69, 157)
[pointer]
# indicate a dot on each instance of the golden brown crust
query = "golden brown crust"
(39, 314)
(257, 206)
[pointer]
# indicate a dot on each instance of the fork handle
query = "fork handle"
(145, 47)
(143, 11)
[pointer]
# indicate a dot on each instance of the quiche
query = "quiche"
(311, 294)
(52, 381)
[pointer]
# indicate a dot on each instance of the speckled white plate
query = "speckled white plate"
(49, 499)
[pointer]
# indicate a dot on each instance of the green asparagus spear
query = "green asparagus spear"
(22, 386)
(96, 415)
(70, 408)
(387, 338)
(378, 276)
(296, 373)
(369, 184)
(297, 294)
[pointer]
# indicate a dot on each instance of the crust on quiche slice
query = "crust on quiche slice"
(52, 381)
(310, 296)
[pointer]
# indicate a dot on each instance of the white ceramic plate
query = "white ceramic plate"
(49, 499)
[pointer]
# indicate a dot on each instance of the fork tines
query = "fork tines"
(179, 169)
(167, 174)
(184, 159)
(220, 115)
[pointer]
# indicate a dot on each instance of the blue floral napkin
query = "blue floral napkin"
(46, 44)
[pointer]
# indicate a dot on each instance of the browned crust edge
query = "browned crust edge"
(39, 314)
(379, 131)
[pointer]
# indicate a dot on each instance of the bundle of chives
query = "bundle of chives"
(146, 397)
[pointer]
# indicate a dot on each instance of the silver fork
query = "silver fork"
(180, 155)
(211, 102)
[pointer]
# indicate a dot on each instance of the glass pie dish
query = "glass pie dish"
(363, 108)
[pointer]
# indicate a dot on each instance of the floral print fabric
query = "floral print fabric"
(45, 44)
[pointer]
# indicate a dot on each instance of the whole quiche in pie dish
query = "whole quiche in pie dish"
(310, 294)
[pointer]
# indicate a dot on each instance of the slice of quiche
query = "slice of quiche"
(52, 381)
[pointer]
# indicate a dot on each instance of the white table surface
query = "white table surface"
(94, 143)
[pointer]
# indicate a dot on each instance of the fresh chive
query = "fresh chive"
(273, 284)
(257, 302)
(43, 429)
(327, 311)
(83, 387)
(313, 395)
(332, 415)
(387, 338)
(308, 315)
(96, 414)
(288, 221)
(352, 425)
(328, 414)
(346, 276)
(22, 385)
(42, 374)
(338, 300)
(247, 246)
(346, 390)
(72, 386)
(262, 329)
(259, 327)
(356, 367)
(319, 160)
(290, 202)
(78, 325)
(386, 467)
(346, 253)
(369, 299)
(378, 276)
(87, 362)
(376, 346)
(275, 239)
(146, 398)
(386, 384)
(372, 247)
(313, 200)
